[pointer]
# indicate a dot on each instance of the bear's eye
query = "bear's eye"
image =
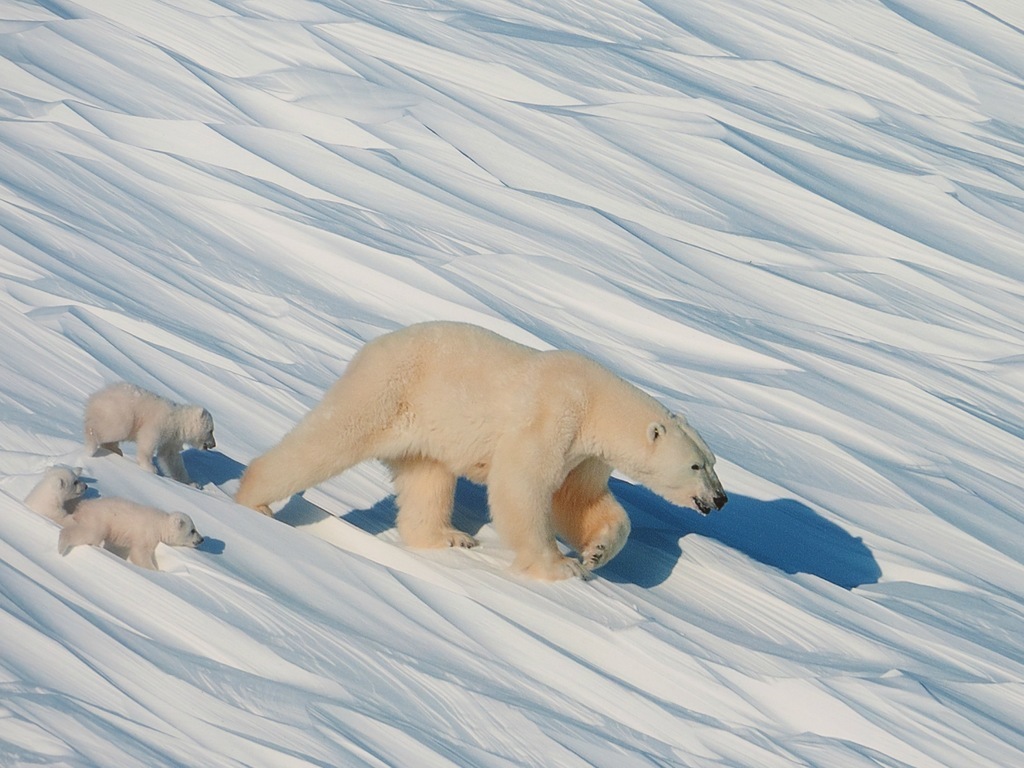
(695, 467)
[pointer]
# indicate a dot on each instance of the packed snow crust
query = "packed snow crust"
(797, 221)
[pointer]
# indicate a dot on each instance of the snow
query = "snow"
(799, 222)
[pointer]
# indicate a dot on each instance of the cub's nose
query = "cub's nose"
(720, 500)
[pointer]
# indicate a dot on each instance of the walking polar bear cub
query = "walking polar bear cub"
(542, 429)
(127, 412)
(124, 525)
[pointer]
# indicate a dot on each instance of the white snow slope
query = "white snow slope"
(797, 221)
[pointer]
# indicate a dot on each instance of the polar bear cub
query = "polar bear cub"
(155, 424)
(126, 526)
(58, 487)
(542, 429)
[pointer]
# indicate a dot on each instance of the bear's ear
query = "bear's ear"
(655, 431)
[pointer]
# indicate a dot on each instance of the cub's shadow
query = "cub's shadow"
(205, 467)
(782, 533)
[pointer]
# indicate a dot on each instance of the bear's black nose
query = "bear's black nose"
(720, 500)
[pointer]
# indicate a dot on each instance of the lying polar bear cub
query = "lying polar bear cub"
(58, 487)
(127, 412)
(542, 430)
(126, 526)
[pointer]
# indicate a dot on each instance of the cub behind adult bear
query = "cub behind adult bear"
(542, 429)
(157, 425)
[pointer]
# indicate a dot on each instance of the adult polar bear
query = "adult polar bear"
(542, 430)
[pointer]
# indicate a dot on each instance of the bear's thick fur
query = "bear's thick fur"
(542, 430)
(155, 424)
(123, 525)
(58, 487)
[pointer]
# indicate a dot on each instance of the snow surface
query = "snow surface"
(797, 221)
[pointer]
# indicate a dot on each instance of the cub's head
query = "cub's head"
(181, 531)
(680, 467)
(199, 428)
(65, 482)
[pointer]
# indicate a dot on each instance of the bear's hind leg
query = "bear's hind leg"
(145, 446)
(75, 534)
(303, 458)
(425, 491)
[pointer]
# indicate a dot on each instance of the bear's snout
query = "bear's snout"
(705, 507)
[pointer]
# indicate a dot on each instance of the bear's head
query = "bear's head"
(181, 531)
(67, 482)
(680, 467)
(199, 428)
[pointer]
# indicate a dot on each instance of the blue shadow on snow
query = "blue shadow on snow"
(211, 467)
(782, 533)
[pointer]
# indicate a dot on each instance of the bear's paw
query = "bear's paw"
(555, 570)
(456, 538)
(594, 557)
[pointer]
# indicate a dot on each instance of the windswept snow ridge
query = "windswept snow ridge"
(799, 222)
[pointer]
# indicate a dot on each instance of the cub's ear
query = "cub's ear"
(655, 431)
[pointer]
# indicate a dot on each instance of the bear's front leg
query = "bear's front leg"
(168, 458)
(520, 500)
(596, 527)
(143, 554)
(587, 516)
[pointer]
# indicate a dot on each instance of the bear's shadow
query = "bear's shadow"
(782, 533)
